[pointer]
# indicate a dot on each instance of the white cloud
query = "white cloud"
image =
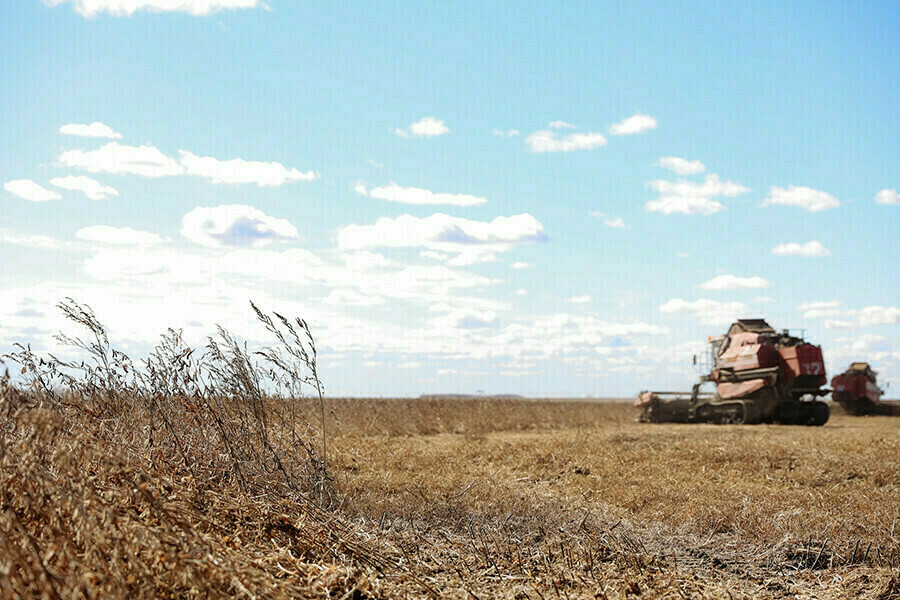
(560, 125)
(818, 310)
(811, 249)
(681, 166)
(690, 198)
(471, 241)
(507, 133)
(365, 260)
(413, 195)
(120, 236)
(234, 225)
(862, 343)
(585, 299)
(521, 292)
(30, 240)
(545, 140)
(519, 266)
(92, 188)
(95, 130)
(764, 300)
(878, 315)
(349, 297)
(637, 123)
(374, 163)
(113, 157)
(119, 8)
(887, 196)
(733, 282)
(869, 316)
(238, 170)
(424, 127)
(29, 190)
(149, 161)
(803, 197)
(465, 318)
(616, 222)
(707, 312)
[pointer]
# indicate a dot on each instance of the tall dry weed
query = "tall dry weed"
(191, 473)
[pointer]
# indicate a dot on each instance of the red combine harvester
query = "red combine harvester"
(760, 375)
(855, 389)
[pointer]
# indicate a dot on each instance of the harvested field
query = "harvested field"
(468, 498)
(187, 477)
(531, 499)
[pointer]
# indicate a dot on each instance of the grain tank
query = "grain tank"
(760, 376)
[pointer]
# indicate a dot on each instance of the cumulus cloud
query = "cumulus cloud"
(690, 198)
(614, 222)
(413, 195)
(94, 130)
(733, 282)
(887, 196)
(234, 225)
(585, 299)
(862, 343)
(149, 161)
(349, 297)
(560, 125)
(869, 316)
(819, 310)
(545, 140)
(126, 8)
(707, 312)
(519, 266)
(637, 123)
(29, 190)
(443, 233)
(810, 249)
(681, 166)
(508, 133)
(238, 170)
(465, 318)
(806, 198)
(119, 236)
(91, 188)
(424, 127)
(32, 240)
(878, 315)
(113, 157)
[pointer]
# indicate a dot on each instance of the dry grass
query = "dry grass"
(189, 477)
(575, 497)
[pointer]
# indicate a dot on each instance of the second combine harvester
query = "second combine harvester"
(760, 375)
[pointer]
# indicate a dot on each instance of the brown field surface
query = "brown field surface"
(445, 498)
(491, 498)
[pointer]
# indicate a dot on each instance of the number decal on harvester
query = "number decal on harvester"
(814, 368)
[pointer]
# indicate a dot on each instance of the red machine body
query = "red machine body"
(857, 391)
(761, 376)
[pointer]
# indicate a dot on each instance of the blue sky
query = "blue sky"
(508, 197)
